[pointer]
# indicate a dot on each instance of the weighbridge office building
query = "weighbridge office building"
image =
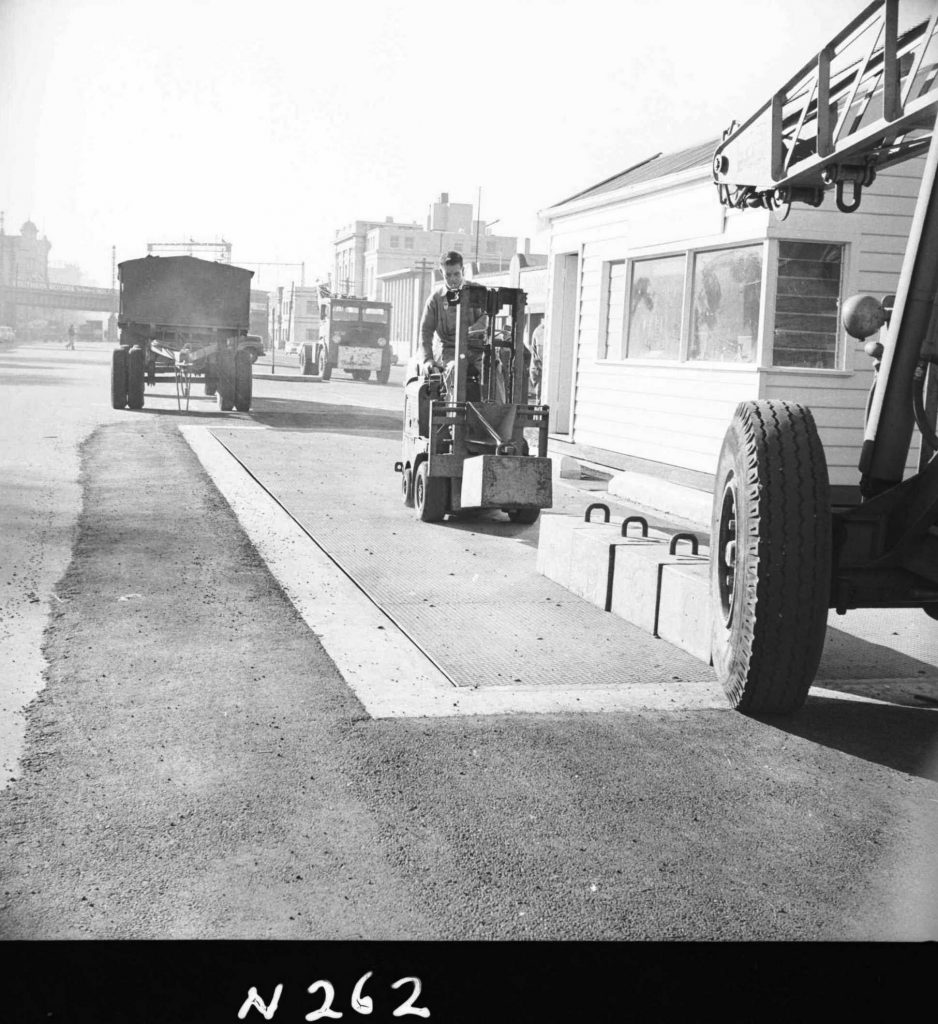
(665, 310)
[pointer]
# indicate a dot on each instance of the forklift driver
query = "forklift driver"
(438, 327)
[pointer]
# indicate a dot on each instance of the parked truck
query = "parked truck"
(782, 551)
(182, 319)
(353, 336)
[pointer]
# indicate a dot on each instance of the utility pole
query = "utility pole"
(478, 222)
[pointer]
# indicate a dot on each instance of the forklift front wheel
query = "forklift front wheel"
(770, 560)
(526, 516)
(407, 486)
(429, 495)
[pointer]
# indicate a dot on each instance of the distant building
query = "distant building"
(24, 258)
(366, 251)
(24, 261)
(294, 315)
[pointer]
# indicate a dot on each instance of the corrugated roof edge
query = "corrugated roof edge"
(670, 163)
(629, 170)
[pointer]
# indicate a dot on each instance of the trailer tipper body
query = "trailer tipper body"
(182, 318)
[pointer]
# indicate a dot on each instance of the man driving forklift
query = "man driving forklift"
(438, 327)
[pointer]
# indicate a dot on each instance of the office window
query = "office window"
(656, 298)
(408, 241)
(311, 334)
(613, 305)
(311, 307)
(395, 241)
(806, 305)
(726, 303)
(491, 245)
(457, 245)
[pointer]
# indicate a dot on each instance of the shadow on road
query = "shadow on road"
(902, 738)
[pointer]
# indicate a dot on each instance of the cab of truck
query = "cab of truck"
(353, 337)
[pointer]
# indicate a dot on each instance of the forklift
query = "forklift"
(782, 554)
(466, 452)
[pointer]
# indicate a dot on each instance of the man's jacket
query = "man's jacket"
(439, 319)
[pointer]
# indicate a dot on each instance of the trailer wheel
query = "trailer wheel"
(429, 495)
(770, 561)
(325, 370)
(382, 376)
(225, 395)
(244, 382)
(119, 378)
(136, 378)
(407, 486)
(306, 360)
(524, 515)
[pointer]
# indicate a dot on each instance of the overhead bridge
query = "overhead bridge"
(60, 296)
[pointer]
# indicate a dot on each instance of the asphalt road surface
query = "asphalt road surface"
(184, 759)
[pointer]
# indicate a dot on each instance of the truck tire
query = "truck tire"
(382, 376)
(306, 360)
(225, 395)
(770, 559)
(244, 382)
(136, 378)
(325, 370)
(429, 495)
(119, 378)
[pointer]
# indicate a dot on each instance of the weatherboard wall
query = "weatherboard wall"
(676, 413)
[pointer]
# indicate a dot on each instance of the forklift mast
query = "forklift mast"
(867, 101)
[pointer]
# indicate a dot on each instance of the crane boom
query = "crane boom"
(867, 100)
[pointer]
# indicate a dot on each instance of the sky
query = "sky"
(272, 123)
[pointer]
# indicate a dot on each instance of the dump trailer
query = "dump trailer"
(465, 452)
(183, 319)
(782, 553)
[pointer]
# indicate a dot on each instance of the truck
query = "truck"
(782, 552)
(353, 336)
(181, 319)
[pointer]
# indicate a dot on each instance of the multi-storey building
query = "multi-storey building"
(24, 258)
(366, 250)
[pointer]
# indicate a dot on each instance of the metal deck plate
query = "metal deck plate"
(466, 591)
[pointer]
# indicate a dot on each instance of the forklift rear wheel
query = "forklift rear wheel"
(306, 361)
(524, 515)
(407, 487)
(243, 382)
(225, 395)
(325, 370)
(429, 495)
(770, 560)
(119, 378)
(382, 376)
(136, 370)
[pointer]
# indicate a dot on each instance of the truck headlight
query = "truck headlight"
(382, 342)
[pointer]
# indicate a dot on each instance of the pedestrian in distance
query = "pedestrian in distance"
(70, 344)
